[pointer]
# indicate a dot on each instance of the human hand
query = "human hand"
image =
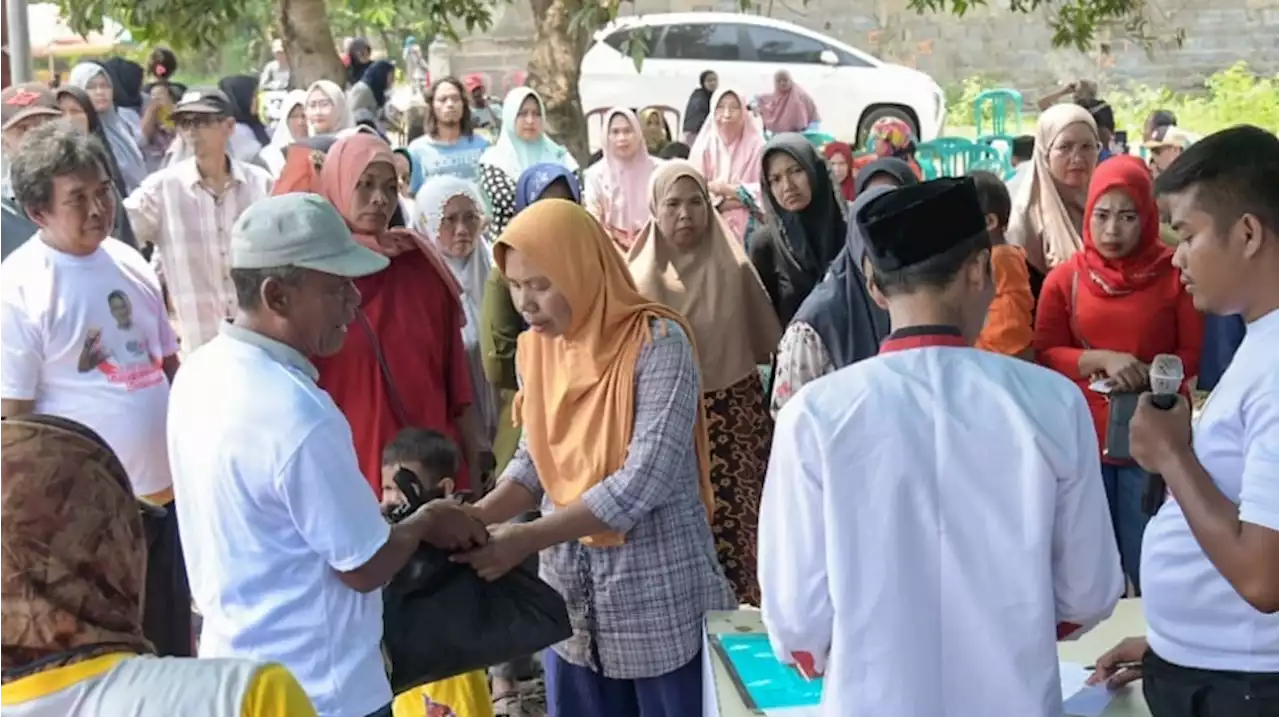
(1125, 371)
(446, 524)
(508, 546)
(1108, 668)
(160, 94)
(720, 189)
(91, 339)
(1157, 436)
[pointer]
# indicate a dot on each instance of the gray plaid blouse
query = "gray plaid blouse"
(637, 609)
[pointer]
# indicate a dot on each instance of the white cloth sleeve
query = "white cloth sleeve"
(22, 348)
(796, 605)
(1260, 488)
(331, 504)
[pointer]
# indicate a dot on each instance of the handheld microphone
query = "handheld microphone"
(1166, 377)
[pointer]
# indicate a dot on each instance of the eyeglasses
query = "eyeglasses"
(323, 103)
(195, 121)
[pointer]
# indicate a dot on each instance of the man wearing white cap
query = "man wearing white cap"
(286, 546)
(275, 75)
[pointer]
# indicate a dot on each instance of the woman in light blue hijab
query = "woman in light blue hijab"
(124, 142)
(522, 143)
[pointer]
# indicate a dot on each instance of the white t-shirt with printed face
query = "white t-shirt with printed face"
(85, 338)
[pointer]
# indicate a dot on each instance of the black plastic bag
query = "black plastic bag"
(441, 619)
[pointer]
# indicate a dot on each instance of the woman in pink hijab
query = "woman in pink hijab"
(728, 151)
(617, 191)
(788, 108)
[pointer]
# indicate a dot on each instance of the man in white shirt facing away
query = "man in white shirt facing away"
(187, 210)
(85, 336)
(287, 546)
(934, 516)
(1209, 556)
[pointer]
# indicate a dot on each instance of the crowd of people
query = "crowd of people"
(905, 418)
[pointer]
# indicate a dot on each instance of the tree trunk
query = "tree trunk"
(308, 41)
(554, 71)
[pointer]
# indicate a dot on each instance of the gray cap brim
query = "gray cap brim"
(353, 263)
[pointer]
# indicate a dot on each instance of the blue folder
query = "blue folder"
(763, 682)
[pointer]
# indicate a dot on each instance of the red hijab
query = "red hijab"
(1150, 258)
(346, 161)
(840, 148)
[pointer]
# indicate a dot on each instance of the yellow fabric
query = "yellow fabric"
(48, 682)
(161, 499)
(577, 404)
(466, 695)
(274, 692)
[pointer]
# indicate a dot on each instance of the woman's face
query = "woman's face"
(100, 92)
(729, 113)
(654, 128)
(558, 189)
(839, 168)
(529, 120)
(711, 83)
(72, 111)
(539, 302)
(1073, 155)
(782, 81)
(1115, 225)
(375, 199)
(788, 182)
(320, 112)
(404, 173)
(683, 213)
(622, 137)
(297, 122)
(459, 227)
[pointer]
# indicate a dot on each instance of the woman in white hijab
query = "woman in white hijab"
(1048, 207)
(291, 127)
(124, 140)
(449, 211)
(327, 110)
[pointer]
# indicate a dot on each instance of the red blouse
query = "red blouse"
(422, 343)
(1159, 318)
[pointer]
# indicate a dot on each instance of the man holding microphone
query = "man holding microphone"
(1209, 557)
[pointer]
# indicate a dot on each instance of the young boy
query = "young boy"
(433, 460)
(1008, 329)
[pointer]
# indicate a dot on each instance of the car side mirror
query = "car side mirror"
(829, 57)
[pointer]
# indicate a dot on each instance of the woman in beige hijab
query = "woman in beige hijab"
(1048, 207)
(687, 258)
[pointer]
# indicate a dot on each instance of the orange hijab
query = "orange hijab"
(346, 161)
(577, 404)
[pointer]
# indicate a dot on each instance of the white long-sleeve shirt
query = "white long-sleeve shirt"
(929, 516)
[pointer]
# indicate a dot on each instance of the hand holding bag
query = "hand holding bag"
(441, 619)
(1121, 405)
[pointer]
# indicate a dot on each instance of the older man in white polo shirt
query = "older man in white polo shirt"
(286, 546)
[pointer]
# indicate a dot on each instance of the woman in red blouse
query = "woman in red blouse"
(1107, 311)
(410, 314)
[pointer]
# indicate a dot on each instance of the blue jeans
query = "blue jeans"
(1124, 485)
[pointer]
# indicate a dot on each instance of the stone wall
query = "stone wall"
(1010, 50)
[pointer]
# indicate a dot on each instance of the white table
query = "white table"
(1126, 621)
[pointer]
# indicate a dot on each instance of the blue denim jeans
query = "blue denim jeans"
(1124, 485)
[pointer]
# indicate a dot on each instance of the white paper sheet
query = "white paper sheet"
(1078, 699)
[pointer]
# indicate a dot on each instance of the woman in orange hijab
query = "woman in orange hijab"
(403, 363)
(615, 452)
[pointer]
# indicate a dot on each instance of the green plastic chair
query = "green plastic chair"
(818, 139)
(930, 160)
(1002, 144)
(952, 153)
(998, 101)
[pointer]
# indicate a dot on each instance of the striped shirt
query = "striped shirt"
(191, 224)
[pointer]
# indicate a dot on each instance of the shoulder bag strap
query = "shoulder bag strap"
(393, 393)
(1075, 328)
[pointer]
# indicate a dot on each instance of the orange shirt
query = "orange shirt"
(1008, 329)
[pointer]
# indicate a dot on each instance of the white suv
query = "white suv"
(851, 88)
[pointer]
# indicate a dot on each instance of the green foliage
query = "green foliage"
(1074, 22)
(1231, 97)
(207, 25)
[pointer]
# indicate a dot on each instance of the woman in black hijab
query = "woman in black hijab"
(250, 135)
(887, 172)
(126, 85)
(78, 108)
(793, 250)
(695, 113)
